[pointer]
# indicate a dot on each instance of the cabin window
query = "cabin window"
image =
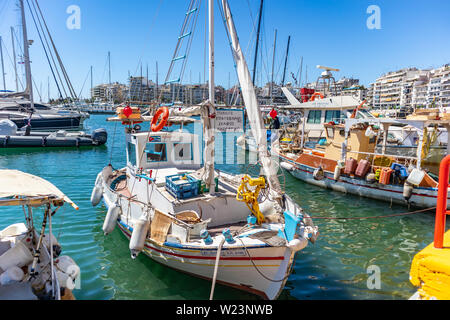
(333, 115)
(131, 153)
(330, 132)
(156, 152)
(183, 151)
(314, 116)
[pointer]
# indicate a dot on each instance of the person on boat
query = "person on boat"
(275, 124)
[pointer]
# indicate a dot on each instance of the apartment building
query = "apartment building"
(115, 92)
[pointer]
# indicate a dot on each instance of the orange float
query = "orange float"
(164, 112)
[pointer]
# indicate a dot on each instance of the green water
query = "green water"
(333, 268)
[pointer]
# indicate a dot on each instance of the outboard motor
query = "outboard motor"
(100, 136)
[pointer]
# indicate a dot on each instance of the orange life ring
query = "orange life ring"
(164, 111)
(316, 94)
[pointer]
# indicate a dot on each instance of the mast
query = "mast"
(92, 82)
(14, 58)
(156, 88)
(109, 66)
(301, 71)
(286, 60)
(3, 66)
(209, 118)
(257, 42)
(273, 65)
(26, 55)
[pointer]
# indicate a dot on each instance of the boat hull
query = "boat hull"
(240, 267)
(421, 197)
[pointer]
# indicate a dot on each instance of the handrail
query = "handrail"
(441, 208)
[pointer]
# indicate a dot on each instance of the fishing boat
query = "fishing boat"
(10, 137)
(235, 230)
(347, 162)
(31, 264)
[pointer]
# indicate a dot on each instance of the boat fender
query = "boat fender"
(287, 166)
(139, 235)
(96, 196)
(55, 244)
(100, 136)
(5, 142)
(17, 256)
(67, 271)
(12, 275)
(297, 244)
(111, 219)
(337, 173)
(240, 141)
(44, 141)
(371, 178)
(407, 191)
(318, 174)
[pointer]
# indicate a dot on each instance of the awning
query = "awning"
(19, 188)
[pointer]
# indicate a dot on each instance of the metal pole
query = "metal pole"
(210, 150)
(26, 55)
(109, 66)
(14, 59)
(257, 42)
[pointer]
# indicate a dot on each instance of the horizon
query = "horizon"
(330, 33)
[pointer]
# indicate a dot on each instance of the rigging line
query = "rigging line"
(69, 84)
(11, 61)
(45, 50)
(84, 83)
(375, 217)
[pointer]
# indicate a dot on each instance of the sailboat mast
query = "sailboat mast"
(257, 41)
(3, 66)
(26, 54)
(109, 66)
(14, 58)
(286, 60)
(209, 157)
(273, 65)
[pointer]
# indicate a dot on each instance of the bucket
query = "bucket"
(416, 176)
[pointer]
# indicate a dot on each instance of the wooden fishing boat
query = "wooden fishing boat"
(333, 165)
(31, 264)
(236, 230)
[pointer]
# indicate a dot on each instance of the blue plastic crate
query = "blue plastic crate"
(182, 188)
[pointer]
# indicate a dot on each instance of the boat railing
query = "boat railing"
(441, 206)
(384, 154)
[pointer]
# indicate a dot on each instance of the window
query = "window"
(333, 115)
(131, 153)
(314, 116)
(156, 152)
(183, 151)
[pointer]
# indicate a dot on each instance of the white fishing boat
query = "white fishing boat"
(31, 267)
(235, 230)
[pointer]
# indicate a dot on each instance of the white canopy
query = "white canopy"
(19, 185)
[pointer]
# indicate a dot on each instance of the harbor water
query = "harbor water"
(340, 265)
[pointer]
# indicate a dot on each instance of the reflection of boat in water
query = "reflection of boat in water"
(231, 229)
(31, 266)
(347, 162)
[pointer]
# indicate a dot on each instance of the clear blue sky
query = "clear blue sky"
(326, 32)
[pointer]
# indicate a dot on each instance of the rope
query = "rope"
(375, 217)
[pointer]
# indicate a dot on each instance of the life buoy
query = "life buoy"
(316, 94)
(164, 111)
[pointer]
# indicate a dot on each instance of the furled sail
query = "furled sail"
(251, 104)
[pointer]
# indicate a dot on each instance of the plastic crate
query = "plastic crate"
(182, 186)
